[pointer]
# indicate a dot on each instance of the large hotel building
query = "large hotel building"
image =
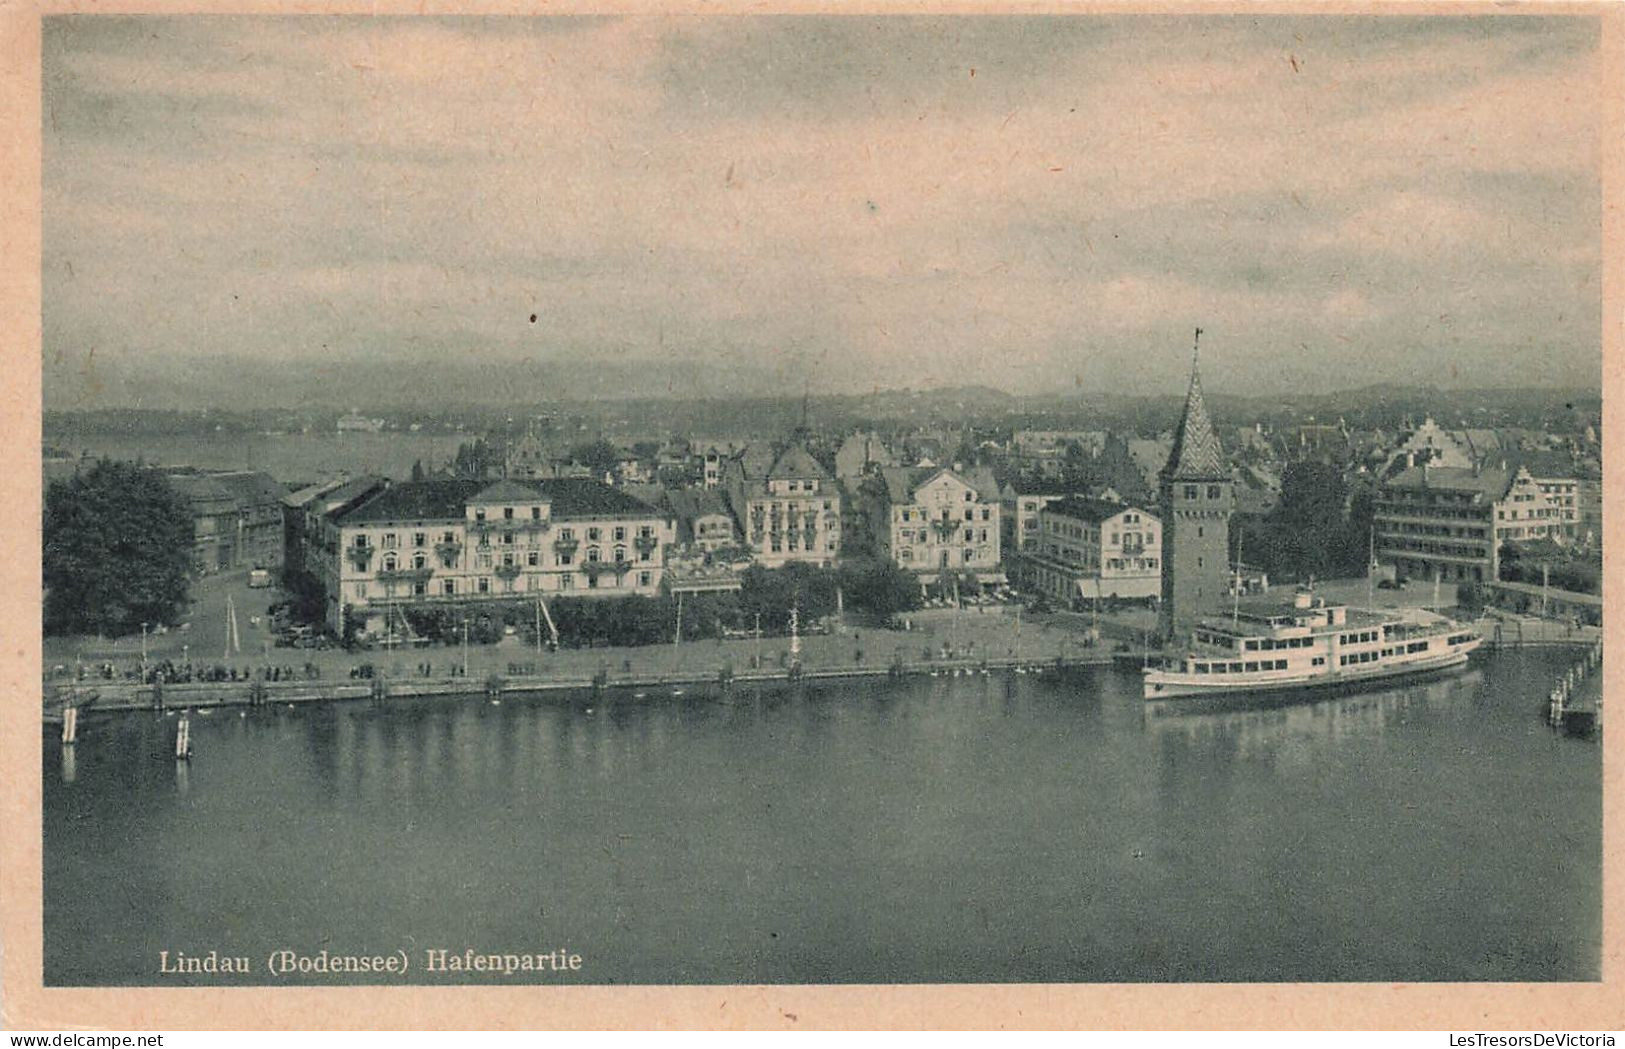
(1450, 522)
(454, 541)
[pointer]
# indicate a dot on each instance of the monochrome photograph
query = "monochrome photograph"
(813, 498)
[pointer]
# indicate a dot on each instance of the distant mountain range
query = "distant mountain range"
(190, 383)
(229, 382)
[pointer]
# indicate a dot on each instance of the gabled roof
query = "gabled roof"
(306, 495)
(251, 486)
(504, 491)
(903, 481)
(1093, 510)
(1551, 466)
(1196, 455)
(202, 491)
(446, 500)
(1491, 483)
(414, 501)
(1040, 486)
(654, 495)
(689, 503)
(796, 463)
(586, 497)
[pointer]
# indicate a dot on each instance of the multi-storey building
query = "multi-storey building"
(703, 520)
(792, 512)
(1020, 501)
(1197, 499)
(1092, 550)
(236, 519)
(933, 519)
(214, 521)
(259, 517)
(453, 541)
(1450, 523)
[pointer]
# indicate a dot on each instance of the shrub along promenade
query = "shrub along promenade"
(940, 641)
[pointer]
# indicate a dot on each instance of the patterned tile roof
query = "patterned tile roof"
(1196, 454)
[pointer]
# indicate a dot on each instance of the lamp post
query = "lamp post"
(143, 651)
(465, 646)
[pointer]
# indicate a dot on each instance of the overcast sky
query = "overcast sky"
(1030, 203)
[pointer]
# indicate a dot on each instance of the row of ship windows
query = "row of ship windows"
(1249, 667)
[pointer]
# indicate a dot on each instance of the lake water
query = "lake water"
(286, 457)
(982, 829)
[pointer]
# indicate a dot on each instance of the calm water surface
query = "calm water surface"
(952, 829)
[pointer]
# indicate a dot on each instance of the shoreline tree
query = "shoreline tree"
(117, 551)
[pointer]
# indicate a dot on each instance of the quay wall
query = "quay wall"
(114, 695)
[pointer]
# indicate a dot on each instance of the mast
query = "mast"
(1371, 571)
(1235, 603)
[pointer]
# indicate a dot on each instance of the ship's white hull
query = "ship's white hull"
(1166, 684)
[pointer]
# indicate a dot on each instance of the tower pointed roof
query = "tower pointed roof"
(1196, 455)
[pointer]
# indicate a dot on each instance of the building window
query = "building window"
(1191, 491)
(566, 560)
(620, 552)
(533, 559)
(645, 578)
(419, 539)
(479, 514)
(389, 562)
(620, 534)
(507, 513)
(567, 582)
(448, 587)
(593, 535)
(592, 553)
(419, 561)
(567, 534)
(1213, 491)
(485, 585)
(389, 540)
(535, 513)
(448, 537)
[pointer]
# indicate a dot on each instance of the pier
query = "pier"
(1574, 704)
(126, 696)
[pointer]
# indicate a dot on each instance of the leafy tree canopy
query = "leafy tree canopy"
(118, 542)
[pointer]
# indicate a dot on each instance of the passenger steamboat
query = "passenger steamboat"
(1309, 645)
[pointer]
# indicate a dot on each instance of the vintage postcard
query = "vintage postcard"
(642, 515)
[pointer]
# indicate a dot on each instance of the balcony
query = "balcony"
(405, 575)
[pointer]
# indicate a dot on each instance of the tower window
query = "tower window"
(1213, 491)
(1190, 491)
